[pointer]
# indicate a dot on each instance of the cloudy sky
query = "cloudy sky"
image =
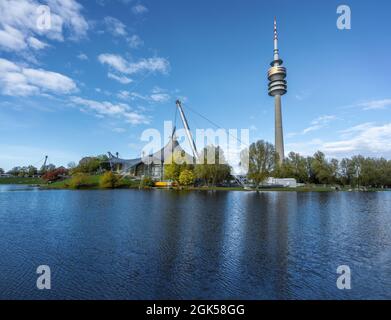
(104, 71)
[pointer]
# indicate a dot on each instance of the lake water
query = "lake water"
(131, 244)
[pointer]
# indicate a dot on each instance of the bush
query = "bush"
(55, 175)
(186, 178)
(78, 180)
(109, 180)
(147, 182)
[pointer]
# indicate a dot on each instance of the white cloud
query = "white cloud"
(50, 81)
(139, 9)
(375, 104)
(121, 65)
(136, 95)
(151, 64)
(302, 95)
(358, 128)
(82, 56)
(135, 41)
(114, 61)
(157, 95)
(12, 39)
(67, 14)
(119, 130)
(316, 124)
(160, 97)
(115, 26)
(120, 79)
(124, 95)
(105, 108)
(118, 29)
(19, 20)
(305, 148)
(312, 128)
(16, 80)
(324, 119)
(36, 44)
(367, 139)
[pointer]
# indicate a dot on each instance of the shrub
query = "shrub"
(55, 175)
(78, 180)
(186, 178)
(109, 180)
(147, 182)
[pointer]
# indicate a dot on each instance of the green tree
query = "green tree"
(172, 172)
(15, 171)
(88, 165)
(186, 177)
(109, 180)
(384, 168)
(334, 167)
(356, 168)
(32, 171)
(71, 165)
(346, 171)
(174, 167)
(211, 167)
(23, 172)
(92, 165)
(321, 169)
(262, 161)
(1, 171)
(294, 166)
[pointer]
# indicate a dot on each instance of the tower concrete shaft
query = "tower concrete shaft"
(277, 88)
(279, 136)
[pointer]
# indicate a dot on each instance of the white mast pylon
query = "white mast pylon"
(187, 130)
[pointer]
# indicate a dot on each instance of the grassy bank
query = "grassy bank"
(92, 182)
(298, 189)
(21, 180)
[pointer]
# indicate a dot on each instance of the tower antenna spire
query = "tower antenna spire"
(276, 55)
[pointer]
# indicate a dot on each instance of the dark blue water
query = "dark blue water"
(130, 244)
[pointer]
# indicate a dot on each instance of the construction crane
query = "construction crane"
(187, 130)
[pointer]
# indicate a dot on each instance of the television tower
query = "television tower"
(277, 88)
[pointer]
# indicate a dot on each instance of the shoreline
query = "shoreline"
(319, 189)
(135, 185)
(221, 189)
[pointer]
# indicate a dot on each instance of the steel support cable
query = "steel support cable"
(214, 124)
(39, 162)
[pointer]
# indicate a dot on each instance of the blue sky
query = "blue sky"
(107, 70)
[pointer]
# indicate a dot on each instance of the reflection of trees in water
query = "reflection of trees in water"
(266, 242)
(189, 242)
(259, 245)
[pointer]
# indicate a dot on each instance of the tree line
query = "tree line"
(262, 160)
(87, 165)
(317, 169)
